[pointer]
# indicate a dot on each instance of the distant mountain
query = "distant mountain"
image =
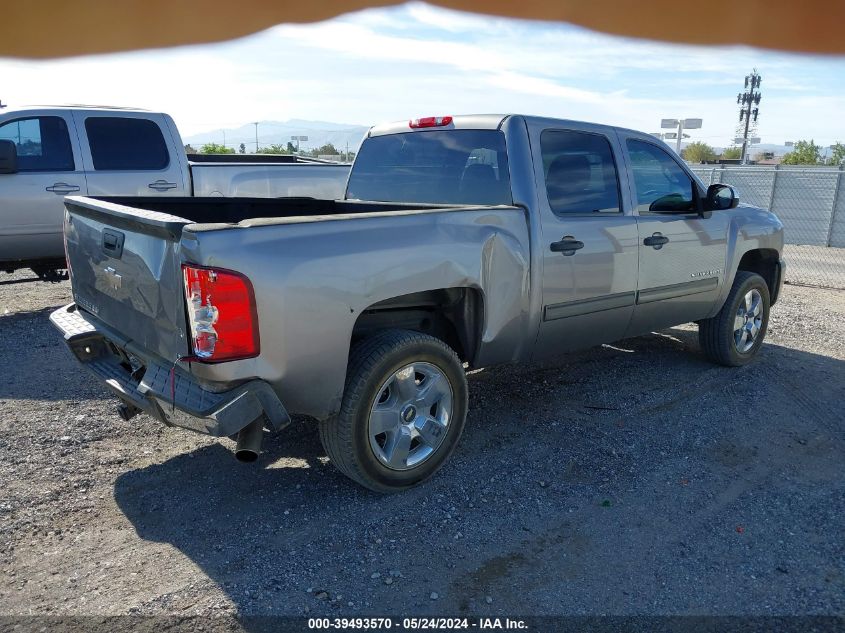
(279, 133)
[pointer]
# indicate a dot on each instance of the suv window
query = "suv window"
(43, 143)
(126, 144)
(433, 167)
(580, 172)
(660, 182)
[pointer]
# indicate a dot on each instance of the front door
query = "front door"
(49, 168)
(589, 240)
(681, 252)
(130, 154)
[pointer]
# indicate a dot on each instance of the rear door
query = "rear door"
(130, 154)
(49, 168)
(589, 238)
(681, 254)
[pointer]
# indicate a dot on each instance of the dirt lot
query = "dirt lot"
(632, 479)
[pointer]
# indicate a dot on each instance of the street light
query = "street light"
(681, 125)
(304, 139)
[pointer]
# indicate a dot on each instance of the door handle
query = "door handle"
(62, 188)
(162, 185)
(568, 245)
(657, 241)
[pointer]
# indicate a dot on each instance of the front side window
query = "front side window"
(433, 167)
(42, 143)
(660, 182)
(126, 144)
(580, 172)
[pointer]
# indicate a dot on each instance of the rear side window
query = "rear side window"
(42, 143)
(580, 172)
(433, 167)
(126, 144)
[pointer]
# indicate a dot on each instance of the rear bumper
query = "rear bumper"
(166, 392)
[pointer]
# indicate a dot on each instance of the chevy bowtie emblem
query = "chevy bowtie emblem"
(113, 278)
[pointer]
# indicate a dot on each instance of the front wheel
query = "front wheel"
(734, 336)
(403, 411)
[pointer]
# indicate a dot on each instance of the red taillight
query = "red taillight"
(430, 121)
(221, 313)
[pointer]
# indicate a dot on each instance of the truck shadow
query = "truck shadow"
(265, 534)
(12, 282)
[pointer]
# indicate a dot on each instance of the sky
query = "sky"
(417, 60)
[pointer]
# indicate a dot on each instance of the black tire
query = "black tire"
(373, 361)
(717, 335)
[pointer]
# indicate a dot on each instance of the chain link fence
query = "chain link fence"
(810, 201)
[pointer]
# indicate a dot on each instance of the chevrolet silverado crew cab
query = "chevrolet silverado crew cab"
(47, 153)
(464, 241)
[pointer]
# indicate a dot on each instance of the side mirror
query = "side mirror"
(8, 157)
(720, 198)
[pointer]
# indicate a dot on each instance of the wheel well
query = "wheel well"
(764, 262)
(454, 315)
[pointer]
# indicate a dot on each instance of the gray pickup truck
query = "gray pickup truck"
(462, 241)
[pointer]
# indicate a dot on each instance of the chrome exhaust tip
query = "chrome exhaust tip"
(249, 441)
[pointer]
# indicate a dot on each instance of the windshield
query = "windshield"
(436, 167)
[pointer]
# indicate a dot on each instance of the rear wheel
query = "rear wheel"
(734, 336)
(403, 411)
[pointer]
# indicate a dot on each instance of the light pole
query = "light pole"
(667, 136)
(747, 142)
(304, 139)
(681, 125)
(256, 136)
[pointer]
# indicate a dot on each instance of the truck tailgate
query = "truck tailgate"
(126, 272)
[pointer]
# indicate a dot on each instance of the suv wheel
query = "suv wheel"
(734, 336)
(403, 411)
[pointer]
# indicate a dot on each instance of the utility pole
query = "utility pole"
(256, 136)
(748, 102)
(224, 138)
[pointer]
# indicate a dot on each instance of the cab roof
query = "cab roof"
(70, 106)
(493, 122)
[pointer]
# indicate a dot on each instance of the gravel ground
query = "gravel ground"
(627, 479)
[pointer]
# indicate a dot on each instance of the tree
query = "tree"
(189, 149)
(215, 148)
(291, 148)
(698, 152)
(274, 149)
(326, 150)
(804, 153)
(242, 148)
(838, 156)
(732, 153)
